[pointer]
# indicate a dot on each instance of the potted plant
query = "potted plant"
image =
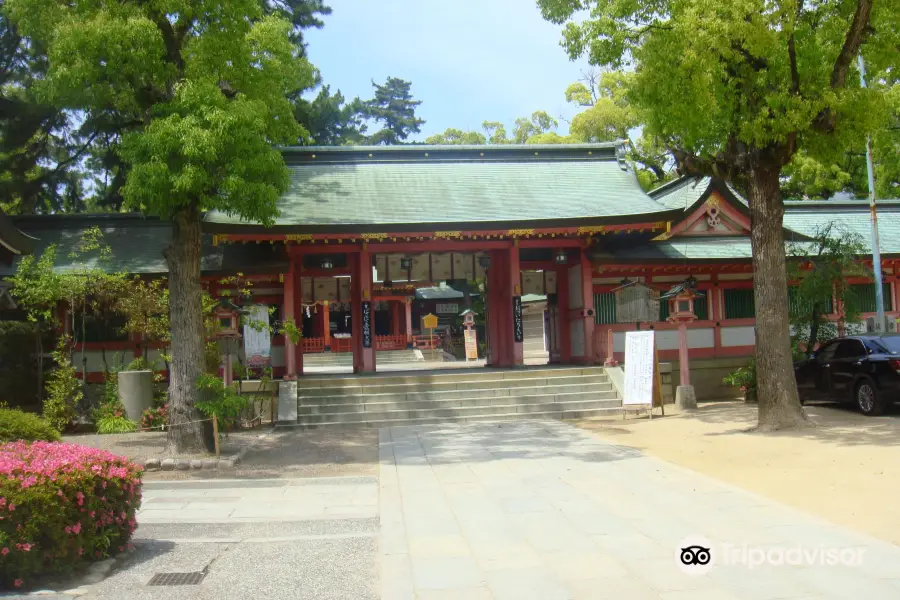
(744, 378)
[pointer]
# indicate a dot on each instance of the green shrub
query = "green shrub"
(155, 417)
(19, 363)
(64, 391)
(220, 400)
(63, 505)
(18, 425)
(115, 424)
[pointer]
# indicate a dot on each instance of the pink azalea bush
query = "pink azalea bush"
(62, 505)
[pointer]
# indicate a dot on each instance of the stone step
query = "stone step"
(368, 389)
(450, 412)
(464, 375)
(427, 395)
(380, 405)
(477, 418)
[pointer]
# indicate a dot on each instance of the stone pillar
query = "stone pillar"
(289, 313)
(685, 398)
(361, 292)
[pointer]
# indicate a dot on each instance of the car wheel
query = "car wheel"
(867, 398)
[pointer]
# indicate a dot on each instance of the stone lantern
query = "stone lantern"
(681, 312)
(228, 325)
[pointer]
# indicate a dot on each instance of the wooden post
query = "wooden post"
(216, 434)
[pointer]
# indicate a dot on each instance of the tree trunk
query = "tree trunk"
(779, 403)
(813, 331)
(186, 322)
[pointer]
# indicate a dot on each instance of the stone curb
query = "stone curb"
(81, 584)
(196, 464)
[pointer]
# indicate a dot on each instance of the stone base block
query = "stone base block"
(287, 401)
(685, 398)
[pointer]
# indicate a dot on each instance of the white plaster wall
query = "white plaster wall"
(94, 358)
(703, 337)
(738, 336)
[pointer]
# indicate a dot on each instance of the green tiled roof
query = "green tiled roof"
(681, 193)
(136, 243)
(684, 248)
(805, 217)
(463, 185)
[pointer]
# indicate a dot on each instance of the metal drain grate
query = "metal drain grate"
(177, 578)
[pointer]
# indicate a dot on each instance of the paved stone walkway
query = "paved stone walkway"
(545, 511)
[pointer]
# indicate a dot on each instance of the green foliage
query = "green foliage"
(821, 269)
(290, 331)
(64, 391)
(394, 108)
(329, 119)
(115, 424)
(64, 506)
(220, 400)
(155, 417)
(18, 425)
(743, 378)
(457, 137)
(145, 306)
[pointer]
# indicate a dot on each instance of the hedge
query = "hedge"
(61, 506)
(17, 425)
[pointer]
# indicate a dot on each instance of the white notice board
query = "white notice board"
(638, 368)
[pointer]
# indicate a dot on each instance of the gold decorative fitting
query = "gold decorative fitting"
(370, 156)
(340, 241)
(313, 155)
(446, 235)
(380, 237)
(393, 239)
(591, 229)
(481, 153)
(520, 232)
(299, 237)
(216, 240)
(426, 154)
(589, 153)
(325, 241)
(535, 153)
(281, 278)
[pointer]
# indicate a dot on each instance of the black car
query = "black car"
(863, 369)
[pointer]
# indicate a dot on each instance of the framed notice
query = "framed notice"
(640, 372)
(366, 324)
(518, 323)
(257, 340)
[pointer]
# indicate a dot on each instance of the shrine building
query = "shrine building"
(369, 239)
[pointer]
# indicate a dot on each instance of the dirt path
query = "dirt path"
(846, 470)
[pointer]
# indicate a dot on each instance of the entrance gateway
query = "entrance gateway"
(372, 237)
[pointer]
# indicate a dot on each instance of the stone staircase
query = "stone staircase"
(463, 395)
(345, 359)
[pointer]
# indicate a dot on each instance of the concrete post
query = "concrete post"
(135, 392)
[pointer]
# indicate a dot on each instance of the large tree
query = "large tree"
(394, 109)
(204, 85)
(735, 88)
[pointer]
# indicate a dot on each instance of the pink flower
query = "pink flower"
(76, 528)
(17, 583)
(26, 547)
(12, 507)
(4, 552)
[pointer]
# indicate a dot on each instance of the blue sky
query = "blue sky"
(468, 61)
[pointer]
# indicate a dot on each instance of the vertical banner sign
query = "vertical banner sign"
(639, 368)
(471, 344)
(257, 341)
(518, 324)
(367, 324)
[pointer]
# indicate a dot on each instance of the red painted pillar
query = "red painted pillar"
(409, 328)
(562, 301)
(395, 318)
(361, 292)
(326, 324)
(514, 278)
(495, 304)
(297, 265)
(587, 303)
(289, 314)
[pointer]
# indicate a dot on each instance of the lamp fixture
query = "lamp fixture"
(561, 257)
(327, 264)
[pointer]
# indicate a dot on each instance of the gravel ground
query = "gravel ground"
(152, 444)
(298, 453)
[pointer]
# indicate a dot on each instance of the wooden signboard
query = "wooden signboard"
(471, 344)
(518, 322)
(366, 324)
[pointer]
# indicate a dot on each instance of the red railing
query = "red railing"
(390, 342)
(342, 344)
(313, 345)
(426, 342)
